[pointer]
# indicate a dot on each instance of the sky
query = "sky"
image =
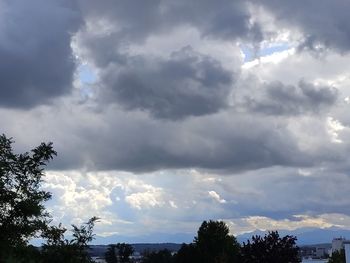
(167, 113)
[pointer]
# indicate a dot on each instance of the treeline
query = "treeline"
(23, 216)
(213, 243)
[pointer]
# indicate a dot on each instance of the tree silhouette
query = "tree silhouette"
(111, 256)
(162, 256)
(215, 244)
(270, 249)
(337, 257)
(120, 252)
(57, 249)
(187, 254)
(22, 213)
(124, 252)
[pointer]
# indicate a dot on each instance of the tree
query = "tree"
(124, 252)
(187, 254)
(337, 257)
(120, 252)
(111, 256)
(270, 249)
(215, 244)
(58, 249)
(22, 213)
(162, 256)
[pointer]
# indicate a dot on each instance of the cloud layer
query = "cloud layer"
(168, 113)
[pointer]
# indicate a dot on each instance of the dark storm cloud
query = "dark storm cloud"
(183, 84)
(186, 84)
(322, 22)
(223, 142)
(36, 61)
(136, 20)
(222, 19)
(280, 99)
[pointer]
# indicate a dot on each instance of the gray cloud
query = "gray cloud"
(275, 98)
(186, 84)
(36, 61)
(166, 109)
(289, 184)
(325, 22)
(132, 141)
(220, 19)
(227, 141)
(136, 20)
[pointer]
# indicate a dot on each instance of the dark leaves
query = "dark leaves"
(22, 214)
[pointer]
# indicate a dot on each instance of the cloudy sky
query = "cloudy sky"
(168, 113)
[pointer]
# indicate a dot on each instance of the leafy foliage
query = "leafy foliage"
(119, 253)
(162, 256)
(270, 249)
(212, 244)
(187, 254)
(22, 213)
(111, 255)
(215, 244)
(124, 252)
(337, 257)
(57, 249)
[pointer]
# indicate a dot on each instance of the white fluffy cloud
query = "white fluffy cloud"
(216, 197)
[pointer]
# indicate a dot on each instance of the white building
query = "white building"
(321, 252)
(338, 244)
(347, 250)
(342, 243)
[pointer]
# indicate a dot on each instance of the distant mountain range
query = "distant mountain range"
(151, 238)
(306, 236)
